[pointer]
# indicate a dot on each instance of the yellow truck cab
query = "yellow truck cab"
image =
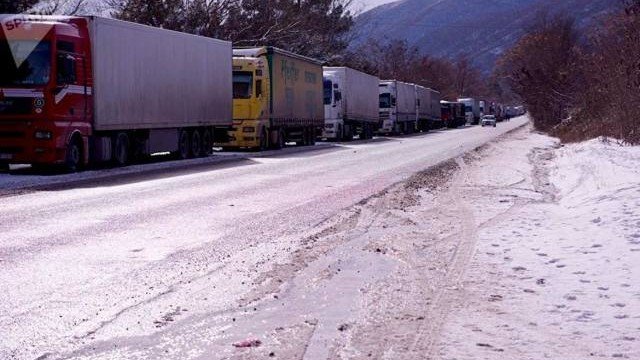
(250, 103)
(277, 98)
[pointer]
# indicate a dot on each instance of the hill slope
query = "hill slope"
(482, 29)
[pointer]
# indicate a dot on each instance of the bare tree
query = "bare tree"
(60, 7)
(16, 6)
(609, 103)
(316, 28)
(542, 69)
(397, 60)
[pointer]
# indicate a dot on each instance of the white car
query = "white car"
(488, 120)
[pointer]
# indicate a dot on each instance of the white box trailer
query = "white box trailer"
(150, 78)
(156, 90)
(428, 108)
(350, 103)
(398, 113)
(472, 110)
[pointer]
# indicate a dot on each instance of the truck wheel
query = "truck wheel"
(364, 133)
(280, 142)
(264, 140)
(4, 167)
(348, 133)
(121, 150)
(196, 143)
(73, 158)
(207, 143)
(304, 138)
(312, 136)
(183, 145)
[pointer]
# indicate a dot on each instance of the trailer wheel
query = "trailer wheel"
(304, 138)
(347, 133)
(411, 127)
(312, 136)
(196, 144)
(183, 145)
(364, 132)
(121, 149)
(207, 143)
(340, 133)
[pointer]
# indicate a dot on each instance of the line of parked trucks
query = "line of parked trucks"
(82, 90)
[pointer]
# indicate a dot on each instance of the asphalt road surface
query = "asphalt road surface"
(181, 261)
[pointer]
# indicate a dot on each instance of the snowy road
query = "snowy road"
(173, 264)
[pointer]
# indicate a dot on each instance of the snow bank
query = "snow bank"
(557, 262)
(595, 171)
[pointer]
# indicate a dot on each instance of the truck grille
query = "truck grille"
(11, 134)
(384, 115)
(10, 150)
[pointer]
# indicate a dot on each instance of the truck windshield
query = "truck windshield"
(25, 62)
(242, 84)
(328, 90)
(385, 101)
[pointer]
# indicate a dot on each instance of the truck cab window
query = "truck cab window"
(66, 63)
(328, 89)
(385, 101)
(242, 84)
(25, 62)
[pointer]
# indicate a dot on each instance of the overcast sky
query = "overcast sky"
(368, 4)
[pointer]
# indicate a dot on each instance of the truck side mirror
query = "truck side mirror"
(258, 89)
(66, 69)
(337, 96)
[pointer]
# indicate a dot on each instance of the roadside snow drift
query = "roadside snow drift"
(557, 262)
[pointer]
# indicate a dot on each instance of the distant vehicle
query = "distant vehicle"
(472, 110)
(428, 108)
(499, 112)
(277, 98)
(453, 114)
(397, 105)
(513, 111)
(350, 104)
(488, 120)
(94, 90)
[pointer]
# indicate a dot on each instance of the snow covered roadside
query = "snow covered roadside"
(557, 262)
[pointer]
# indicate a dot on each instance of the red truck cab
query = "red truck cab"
(45, 90)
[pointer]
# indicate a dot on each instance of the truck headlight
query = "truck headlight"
(43, 135)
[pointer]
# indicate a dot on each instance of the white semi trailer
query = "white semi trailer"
(428, 108)
(350, 104)
(398, 113)
(472, 110)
